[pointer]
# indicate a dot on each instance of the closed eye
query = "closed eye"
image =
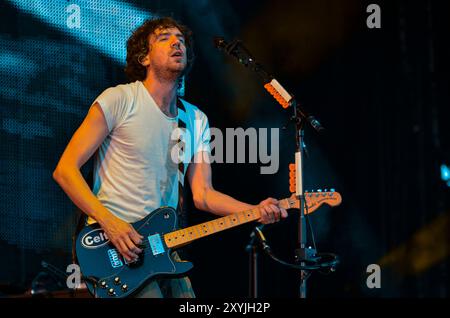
(165, 36)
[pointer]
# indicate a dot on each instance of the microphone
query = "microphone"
(236, 49)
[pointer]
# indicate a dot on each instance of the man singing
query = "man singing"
(129, 127)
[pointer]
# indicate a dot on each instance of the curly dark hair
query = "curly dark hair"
(138, 46)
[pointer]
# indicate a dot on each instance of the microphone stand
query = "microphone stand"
(300, 116)
(300, 252)
(253, 250)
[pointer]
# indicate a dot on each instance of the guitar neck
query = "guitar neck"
(185, 236)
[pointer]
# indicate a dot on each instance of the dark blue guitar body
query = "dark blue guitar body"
(100, 261)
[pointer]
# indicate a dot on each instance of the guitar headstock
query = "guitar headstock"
(314, 199)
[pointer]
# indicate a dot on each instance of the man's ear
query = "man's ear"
(144, 60)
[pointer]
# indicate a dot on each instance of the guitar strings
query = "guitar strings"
(195, 233)
(145, 245)
(222, 226)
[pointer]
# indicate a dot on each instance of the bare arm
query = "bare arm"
(208, 199)
(81, 147)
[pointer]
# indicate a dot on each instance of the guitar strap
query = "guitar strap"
(182, 118)
(181, 212)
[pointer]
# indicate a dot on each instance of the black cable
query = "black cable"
(321, 271)
(314, 264)
(93, 281)
(310, 227)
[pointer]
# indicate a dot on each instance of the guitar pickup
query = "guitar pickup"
(156, 244)
(114, 258)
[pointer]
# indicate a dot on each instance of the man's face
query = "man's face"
(167, 51)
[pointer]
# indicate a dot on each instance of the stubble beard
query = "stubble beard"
(167, 73)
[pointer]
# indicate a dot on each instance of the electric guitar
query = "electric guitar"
(108, 275)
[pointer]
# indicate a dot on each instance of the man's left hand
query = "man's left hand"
(270, 211)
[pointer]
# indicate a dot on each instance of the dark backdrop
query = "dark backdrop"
(382, 95)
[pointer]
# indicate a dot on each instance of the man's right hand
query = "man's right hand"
(123, 236)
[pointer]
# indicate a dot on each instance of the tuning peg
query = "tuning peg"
(319, 190)
(332, 190)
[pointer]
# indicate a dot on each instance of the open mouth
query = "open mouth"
(177, 53)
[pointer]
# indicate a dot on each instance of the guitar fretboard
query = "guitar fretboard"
(186, 235)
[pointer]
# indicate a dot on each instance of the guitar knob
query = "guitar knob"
(103, 284)
(111, 292)
(117, 280)
(124, 287)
